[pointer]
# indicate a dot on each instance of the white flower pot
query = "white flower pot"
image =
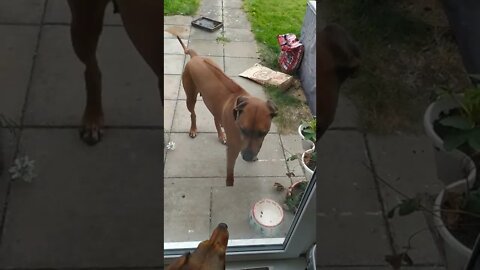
(451, 165)
(308, 172)
(457, 254)
(306, 144)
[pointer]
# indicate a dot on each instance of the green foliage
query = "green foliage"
(180, 7)
(463, 128)
(294, 197)
(406, 207)
(310, 130)
(270, 18)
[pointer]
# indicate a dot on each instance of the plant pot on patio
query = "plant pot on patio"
(451, 165)
(456, 252)
(307, 131)
(308, 161)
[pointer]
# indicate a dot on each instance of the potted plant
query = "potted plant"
(457, 207)
(307, 131)
(309, 162)
(453, 117)
(294, 195)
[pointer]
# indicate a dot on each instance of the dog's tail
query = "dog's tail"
(174, 31)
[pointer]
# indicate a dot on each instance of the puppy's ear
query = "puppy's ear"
(273, 108)
(240, 103)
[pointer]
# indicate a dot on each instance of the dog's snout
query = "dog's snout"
(249, 156)
(223, 226)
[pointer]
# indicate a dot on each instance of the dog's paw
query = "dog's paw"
(91, 135)
(222, 139)
(192, 134)
(91, 131)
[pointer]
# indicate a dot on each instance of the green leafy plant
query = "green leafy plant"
(294, 196)
(309, 130)
(463, 128)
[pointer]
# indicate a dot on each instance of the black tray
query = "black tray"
(207, 24)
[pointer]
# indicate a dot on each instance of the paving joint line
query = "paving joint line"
(373, 171)
(22, 119)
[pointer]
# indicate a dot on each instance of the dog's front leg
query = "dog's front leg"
(232, 154)
(85, 29)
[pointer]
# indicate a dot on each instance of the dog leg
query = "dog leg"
(85, 30)
(191, 94)
(221, 135)
(143, 22)
(232, 153)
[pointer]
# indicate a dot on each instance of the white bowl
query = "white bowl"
(266, 216)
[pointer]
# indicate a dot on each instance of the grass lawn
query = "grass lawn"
(408, 53)
(180, 7)
(270, 18)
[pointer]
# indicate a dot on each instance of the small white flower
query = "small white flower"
(22, 168)
(171, 146)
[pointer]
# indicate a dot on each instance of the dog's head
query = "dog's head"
(209, 255)
(343, 52)
(253, 117)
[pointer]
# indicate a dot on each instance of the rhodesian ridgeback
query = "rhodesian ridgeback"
(143, 21)
(209, 255)
(245, 118)
(338, 59)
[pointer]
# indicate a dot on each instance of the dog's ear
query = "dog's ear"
(240, 103)
(273, 108)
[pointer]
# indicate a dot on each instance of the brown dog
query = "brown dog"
(143, 22)
(209, 255)
(338, 58)
(245, 118)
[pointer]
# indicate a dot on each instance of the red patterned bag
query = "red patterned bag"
(291, 53)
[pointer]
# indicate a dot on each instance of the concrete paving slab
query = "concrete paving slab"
(346, 115)
(178, 20)
(232, 205)
(171, 86)
(183, 31)
(105, 199)
(239, 34)
(169, 112)
(357, 239)
(213, 10)
(236, 18)
(173, 64)
(341, 171)
(241, 49)
(186, 213)
(59, 12)
(236, 65)
(232, 3)
(7, 154)
(250, 86)
(292, 144)
(218, 3)
(407, 162)
(207, 47)
(21, 11)
(197, 33)
(16, 51)
(130, 88)
(173, 46)
(206, 157)
(181, 123)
